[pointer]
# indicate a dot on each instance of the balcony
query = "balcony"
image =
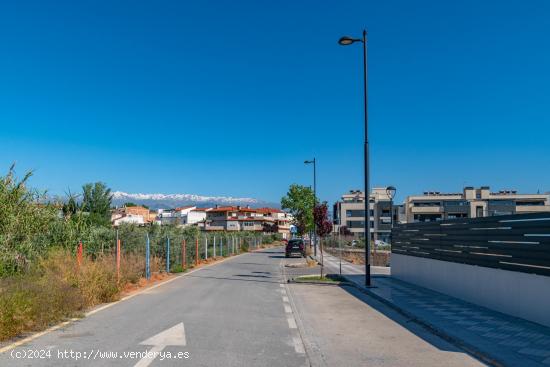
(427, 209)
(532, 208)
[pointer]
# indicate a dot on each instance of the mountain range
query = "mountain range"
(159, 201)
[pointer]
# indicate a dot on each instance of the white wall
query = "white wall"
(195, 217)
(518, 294)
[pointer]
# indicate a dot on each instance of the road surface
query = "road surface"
(239, 312)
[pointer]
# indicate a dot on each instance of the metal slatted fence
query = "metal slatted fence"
(519, 242)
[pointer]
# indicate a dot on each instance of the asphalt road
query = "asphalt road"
(230, 314)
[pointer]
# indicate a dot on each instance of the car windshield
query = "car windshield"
(294, 243)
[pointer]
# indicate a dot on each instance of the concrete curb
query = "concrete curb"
(28, 337)
(470, 349)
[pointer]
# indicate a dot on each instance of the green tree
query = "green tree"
(96, 201)
(300, 201)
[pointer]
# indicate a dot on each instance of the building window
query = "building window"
(355, 213)
(530, 203)
(427, 203)
(355, 224)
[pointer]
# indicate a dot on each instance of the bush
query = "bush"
(35, 302)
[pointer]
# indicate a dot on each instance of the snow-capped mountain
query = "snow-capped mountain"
(156, 201)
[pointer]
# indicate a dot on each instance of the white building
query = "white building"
(129, 218)
(183, 216)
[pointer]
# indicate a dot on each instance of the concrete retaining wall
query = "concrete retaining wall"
(518, 294)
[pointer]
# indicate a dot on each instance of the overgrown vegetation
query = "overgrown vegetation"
(41, 281)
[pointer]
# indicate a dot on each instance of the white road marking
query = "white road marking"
(173, 336)
(283, 292)
(291, 323)
(287, 308)
(281, 285)
(285, 299)
(298, 345)
(34, 336)
(101, 308)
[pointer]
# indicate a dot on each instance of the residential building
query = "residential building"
(472, 203)
(194, 216)
(277, 218)
(148, 215)
(349, 213)
(167, 217)
(132, 214)
(182, 216)
(233, 218)
(237, 218)
(128, 218)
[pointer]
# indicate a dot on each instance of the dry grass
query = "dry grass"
(60, 289)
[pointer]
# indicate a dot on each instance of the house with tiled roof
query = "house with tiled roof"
(237, 218)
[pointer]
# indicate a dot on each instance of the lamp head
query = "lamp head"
(347, 40)
(390, 191)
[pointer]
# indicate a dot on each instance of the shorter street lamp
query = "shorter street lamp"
(390, 191)
(314, 162)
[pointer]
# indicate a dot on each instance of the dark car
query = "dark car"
(295, 247)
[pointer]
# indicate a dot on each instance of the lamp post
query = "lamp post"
(390, 191)
(314, 162)
(346, 41)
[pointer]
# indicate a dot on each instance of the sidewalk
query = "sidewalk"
(497, 338)
(342, 326)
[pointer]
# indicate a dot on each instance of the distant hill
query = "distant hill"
(165, 201)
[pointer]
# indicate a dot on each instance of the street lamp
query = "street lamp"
(314, 162)
(390, 191)
(346, 41)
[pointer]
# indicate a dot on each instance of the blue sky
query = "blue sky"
(229, 98)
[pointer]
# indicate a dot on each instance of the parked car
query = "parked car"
(295, 247)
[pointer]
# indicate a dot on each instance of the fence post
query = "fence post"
(205, 247)
(340, 251)
(79, 252)
(118, 259)
(147, 266)
(322, 259)
(196, 251)
(183, 254)
(168, 254)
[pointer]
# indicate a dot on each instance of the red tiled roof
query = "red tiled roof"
(201, 209)
(250, 210)
(232, 209)
(224, 209)
(268, 210)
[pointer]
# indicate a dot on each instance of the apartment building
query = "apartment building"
(472, 203)
(237, 218)
(349, 213)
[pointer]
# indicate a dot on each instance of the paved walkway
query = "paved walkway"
(341, 326)
(505, 340)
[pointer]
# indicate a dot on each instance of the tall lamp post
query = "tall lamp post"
(314, 162)
(346, 41)
(390, 191)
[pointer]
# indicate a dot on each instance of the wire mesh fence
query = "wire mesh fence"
(169, 248)
(337, 254)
